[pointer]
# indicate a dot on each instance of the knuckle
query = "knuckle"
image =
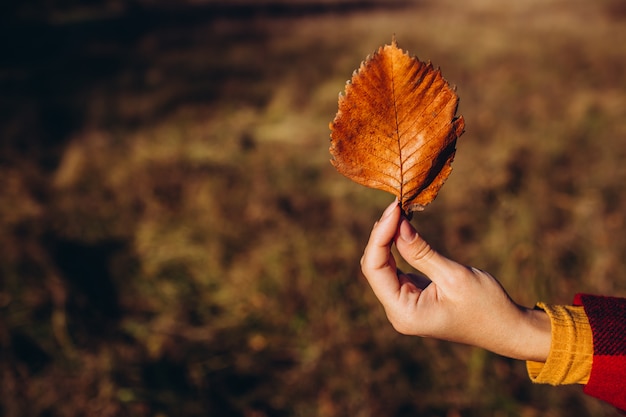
(421, 251)
(365, 264)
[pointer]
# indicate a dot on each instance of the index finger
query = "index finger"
(377, 263)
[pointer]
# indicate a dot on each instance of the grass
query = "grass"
(175, 241)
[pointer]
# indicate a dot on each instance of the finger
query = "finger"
(377, 263)
(420, 255)
(410, 285)
(420, 281)
(376, 252)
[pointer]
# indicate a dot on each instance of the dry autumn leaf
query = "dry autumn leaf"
(396, 127)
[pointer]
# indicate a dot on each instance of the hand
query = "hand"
(452, 301)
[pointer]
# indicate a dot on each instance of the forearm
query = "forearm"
(515, 332)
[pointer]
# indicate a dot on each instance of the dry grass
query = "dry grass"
(187, 249)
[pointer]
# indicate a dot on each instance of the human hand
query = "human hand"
(452, 301)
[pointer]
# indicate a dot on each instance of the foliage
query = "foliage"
(396, 128)
(176, 243)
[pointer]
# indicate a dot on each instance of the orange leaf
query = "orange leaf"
(396, 128)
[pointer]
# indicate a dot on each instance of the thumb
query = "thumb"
(420, 255)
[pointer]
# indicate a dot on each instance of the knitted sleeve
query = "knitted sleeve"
(570, 358)
(607, 317)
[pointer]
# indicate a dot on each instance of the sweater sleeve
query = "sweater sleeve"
(607, 318)
(570, 358)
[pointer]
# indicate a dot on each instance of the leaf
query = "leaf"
(396, 129)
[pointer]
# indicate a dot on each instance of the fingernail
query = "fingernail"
(389, 209)
(407, 232)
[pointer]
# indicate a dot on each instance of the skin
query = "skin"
(450, 301)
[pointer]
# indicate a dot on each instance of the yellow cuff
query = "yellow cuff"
(571, 352)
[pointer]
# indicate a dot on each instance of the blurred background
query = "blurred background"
(174, 241)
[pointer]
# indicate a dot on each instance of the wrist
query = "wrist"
(534, 338)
